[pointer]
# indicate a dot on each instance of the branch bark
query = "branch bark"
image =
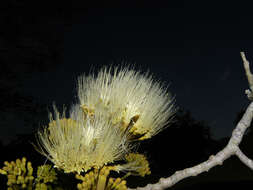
(248, 162)
(232, 147)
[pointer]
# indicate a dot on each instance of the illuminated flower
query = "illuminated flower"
(82, 142)
(133, 100)
(137, 164)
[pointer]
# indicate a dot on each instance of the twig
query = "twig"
(232, 147)
(248, 162)
(249, 76)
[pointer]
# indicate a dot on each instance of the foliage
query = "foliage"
(20, 175)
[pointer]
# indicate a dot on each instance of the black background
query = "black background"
(192, 46)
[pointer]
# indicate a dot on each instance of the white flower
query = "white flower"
(132, 99)
(82, 142)
(116, 106)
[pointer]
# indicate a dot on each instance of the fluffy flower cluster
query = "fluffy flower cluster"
(79, 143)
(115, 107)
(128, 96)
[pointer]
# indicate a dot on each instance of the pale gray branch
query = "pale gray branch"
(248, 162)
(249, 76)
(232, 147)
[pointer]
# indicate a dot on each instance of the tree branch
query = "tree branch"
(248, 162)
(232, 147)
(249, 76)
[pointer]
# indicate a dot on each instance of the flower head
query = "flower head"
(116, 106)
(136, 101)
(82, 141)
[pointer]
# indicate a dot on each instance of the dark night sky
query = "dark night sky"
(195, 50)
